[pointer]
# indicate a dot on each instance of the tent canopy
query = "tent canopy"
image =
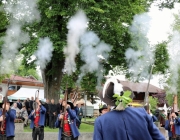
(24, 93)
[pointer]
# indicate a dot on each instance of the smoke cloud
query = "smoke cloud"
(44, 52)
(91, 48)
(174, 62)
(88, 44)
(140, 60)
(76, 27)
(21, 12)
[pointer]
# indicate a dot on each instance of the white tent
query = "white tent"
(24, 93)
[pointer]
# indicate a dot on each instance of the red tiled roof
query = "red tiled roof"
(19, 80)
(142, 87)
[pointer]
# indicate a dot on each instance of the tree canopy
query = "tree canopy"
(108, 19)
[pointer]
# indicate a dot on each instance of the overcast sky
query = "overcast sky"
(160, 29)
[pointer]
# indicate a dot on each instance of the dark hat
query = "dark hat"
(103, 107)
(71, 104)
(109, 92)
(146, 107)
(5, 99)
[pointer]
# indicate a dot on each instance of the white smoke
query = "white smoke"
(76, 27)
(88, 44)
(174, 62)
(20, 12)
(91, 48)
(140, 60)
(44, 52)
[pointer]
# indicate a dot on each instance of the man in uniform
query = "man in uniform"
(37, 117)
(7, 126)
(67, 123)
(123, 123)
(173, 126)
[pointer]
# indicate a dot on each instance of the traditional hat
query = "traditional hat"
(71, 104)
(103, 107)
(113, 86)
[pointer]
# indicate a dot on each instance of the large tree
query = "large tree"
(106, 18)
(109, 19)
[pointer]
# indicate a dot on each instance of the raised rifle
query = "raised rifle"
(75, 95)
(146, 98)
(172, 127)
(35, 104)
(64, 108)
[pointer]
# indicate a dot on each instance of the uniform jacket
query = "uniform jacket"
(42, 117)
(130, 124)
(52, 109)
(72, 115)
(177, 127)
(154, 118)
(59, 108)
(10, 117)
(19, 105)
(80, 111)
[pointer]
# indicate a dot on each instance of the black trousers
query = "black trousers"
(52, 120)
(38, 132)
(47, 120)
(3, 137)
(177, 138)
(68, 138)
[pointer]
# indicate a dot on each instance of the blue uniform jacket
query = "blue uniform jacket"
(10, 117)
(130, 124)
(154, 118)
(177, 127)
(42, 117)
(74, 129)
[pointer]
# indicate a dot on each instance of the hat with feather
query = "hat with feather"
(113, 92)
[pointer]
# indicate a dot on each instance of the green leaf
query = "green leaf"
(127, 93)
(115, 95)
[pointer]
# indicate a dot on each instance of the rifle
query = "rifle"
(64, 108)
(172, 127)
(35, 104)
(75, 95)
(146, 98)
(4, 108)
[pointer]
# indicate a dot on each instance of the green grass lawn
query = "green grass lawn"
(83, 128)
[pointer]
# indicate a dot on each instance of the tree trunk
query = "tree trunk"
(52, 77)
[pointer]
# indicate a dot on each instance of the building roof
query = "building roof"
(142, 87)
(19, 80)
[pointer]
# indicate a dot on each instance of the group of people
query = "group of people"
(52, 111)
(65, 115)
(116, 122)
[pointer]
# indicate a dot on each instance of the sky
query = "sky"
(159, 31)
(161, 23)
